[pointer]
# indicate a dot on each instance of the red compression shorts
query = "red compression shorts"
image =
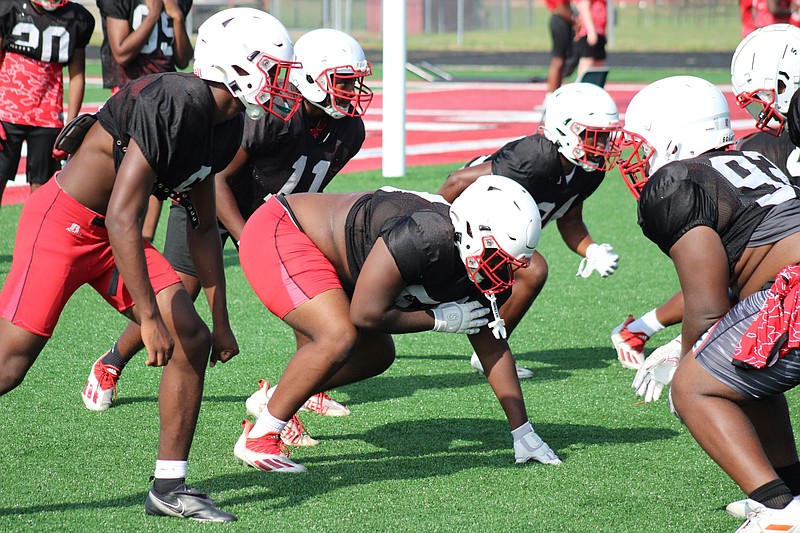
(61, 245)
(284, 267)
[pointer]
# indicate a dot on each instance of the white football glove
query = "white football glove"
(657, 371)
(460, 317)
(599, 257)
(528, 445)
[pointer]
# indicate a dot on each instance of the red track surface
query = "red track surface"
(454, 122)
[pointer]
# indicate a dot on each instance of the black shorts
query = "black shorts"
(40, 165)
(176, 244)
(715, 354)
(596, 52)
(562, 35)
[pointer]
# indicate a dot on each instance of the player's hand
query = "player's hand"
(172, 9)
(223, 345)
(158, 342)
(154, 7)
(59, 155)
(459, 317)
(528, 445)
(657, 370)
(3, 138)
(600, 258)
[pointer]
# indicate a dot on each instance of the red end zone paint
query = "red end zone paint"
(451, 123)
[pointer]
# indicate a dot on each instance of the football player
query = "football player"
(301, 155)
(560, 167)
(762, 80)
(143, 37)
(728, 220)
(37, 38)
(348, 270)
(164, 133)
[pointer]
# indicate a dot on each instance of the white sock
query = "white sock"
(170, 469)
(647, 324)
(267, 423)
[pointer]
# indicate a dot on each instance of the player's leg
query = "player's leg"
(40, 164)
(18, 351)
(100, 390)
(528, 284)
(11, 153)
(561, 36)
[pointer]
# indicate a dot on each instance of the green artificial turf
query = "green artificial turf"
(426, 448)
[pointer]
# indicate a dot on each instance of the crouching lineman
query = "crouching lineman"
(164, 133)
(560, 168)
(729, 220)
(349, 270)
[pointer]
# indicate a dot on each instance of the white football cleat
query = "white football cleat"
(763, 519)
(742, 508)
(295, 434)
(267, 453)
(257, 401)
(322, 404)
(522, 373)
(629, 345)
(100, 391)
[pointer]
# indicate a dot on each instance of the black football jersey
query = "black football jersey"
(286, 158)
(779, 150)
(417, 230)
(728, 191)
(170, 116)
(50, 36)
(157, 53)
(534, 163)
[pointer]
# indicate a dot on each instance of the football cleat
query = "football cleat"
(257, 401)
(268, 452)
(183, 502)
(763, 519)
(322, 404)
(100, 391)
(629, 344)
(742, 508)
(522, 373)
(295, 434)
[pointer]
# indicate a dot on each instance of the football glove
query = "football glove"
(657, 370)
(599, 257)
(59, 155)
(459, 317)
(528, 445)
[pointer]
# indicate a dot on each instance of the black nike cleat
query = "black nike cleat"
(184, 502)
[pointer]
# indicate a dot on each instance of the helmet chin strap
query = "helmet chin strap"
(253, 112)
(498, 325)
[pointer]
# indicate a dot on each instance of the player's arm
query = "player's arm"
(378, 285)
(126, 206)
(585, 17)
(182, 50)
(563, 10)
(205, 247)
(702, 266)
(76, 69)
(573, 230)
(462, 178)
(125, 43)
(227, 209)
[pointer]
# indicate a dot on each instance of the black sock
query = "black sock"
(115, 359)
(791, 476)
(163, 486)
(775, 494)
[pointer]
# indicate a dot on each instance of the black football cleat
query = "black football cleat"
(183, 502)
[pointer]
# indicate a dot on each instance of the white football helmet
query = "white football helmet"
(50, 5)
(660, 127)
(497, 227)
(250, 52)
(583, 121)
(333, 72)
(765, 73)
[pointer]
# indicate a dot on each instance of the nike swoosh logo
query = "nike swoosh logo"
(177, 508)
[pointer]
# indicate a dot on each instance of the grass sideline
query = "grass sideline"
(426, 448)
